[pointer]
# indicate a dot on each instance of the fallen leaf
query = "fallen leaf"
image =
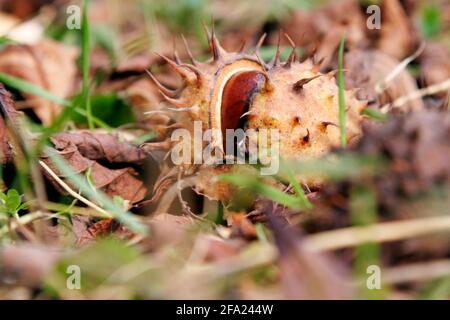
(218, 248)
(415, 147)
(435, 65)
(305, 274)
(319, 31)
(99, 146)
(138, 63)
(23, 8)
(241, 226)
(167, 229)
(8, 113)
(100, 229)
(48, 64)
(367, 68)
(145, 99)
(397, 37)
(338, 19)
(5, 148)
(123, 182)
(26, 264)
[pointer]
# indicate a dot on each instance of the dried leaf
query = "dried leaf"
(138, 63)
(144, 97)
(5, 148)
(26, 264)
(435, 64)
(218, 248)
(417, 150)
(305, 274)
(397, 37)
(23, 8)
(99, 146)
(319, 31)
(122, 182)
(241, 226)
(367, 68)
(49, 65)
(8, 109)
(417, 146)
(103, 228)
(167, 229)
(8, 113)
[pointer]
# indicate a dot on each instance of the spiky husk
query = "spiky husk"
(291, 96)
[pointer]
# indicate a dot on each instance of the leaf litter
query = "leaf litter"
(257, 242)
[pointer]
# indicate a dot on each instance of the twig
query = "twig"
(417, 272)
(435, 88)
(382, 232)
(172, 193)
(384, 84)
(183, 203)
(52, 206)
(23, 220)
(66, 187)
(341, 85)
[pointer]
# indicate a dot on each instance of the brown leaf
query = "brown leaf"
(397, 37)
(416, 149)
(79, 224)
(49, 65)
(218, 248)
(138, 63)
(338, 19)
(295, 25)
(167, 229)
(417, 146)
(5, 148)
(123, 182)
(435, 64)
(26, 264)
(305, 274)
(103, 228)
(145, 97)
(8, 113)
(99, 146)
(241, 226)
(367, 68)
(321, 29)
(23, 8)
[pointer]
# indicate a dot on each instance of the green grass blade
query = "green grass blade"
(431, 21)
(342, 94)
(375, 114)
(260, 233)
(297, 188)
(265, 190)
(363, 210)
(85, 63)
(30, 88)
(337, 168)
(97, 121)
(124, 217)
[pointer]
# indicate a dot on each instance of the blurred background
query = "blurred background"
(229, 254)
